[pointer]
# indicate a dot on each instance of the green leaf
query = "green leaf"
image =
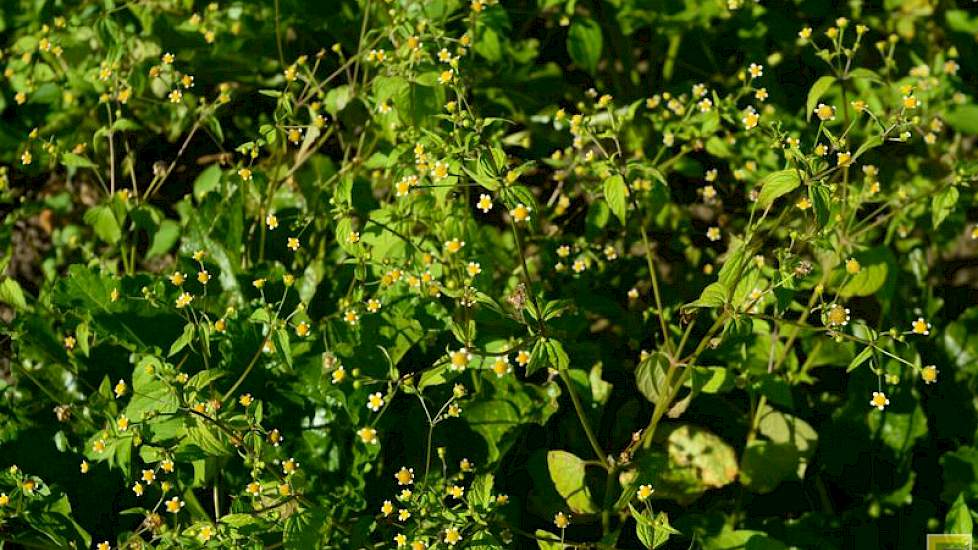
(650, 376)
(207, 181)
(958, 520)
(480, 491)
(711, 380)
(164, 238)
(12, 295)
(558, 357)
(816, 92)
(616, 193)
(567, 473)
(777, 184)
(872, 276)
(859, 359)
(281, 339)
(82, 335)
(183, 341)
(714, 295)
(764, 465)
(819, 195)
(942, 205)
(104, 223)
(72, 160)
(963, 118)
(584, 43)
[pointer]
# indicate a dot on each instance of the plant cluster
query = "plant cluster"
(489, 274)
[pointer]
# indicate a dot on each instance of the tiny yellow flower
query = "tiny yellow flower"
(452, 536)
(183, 300)
(879, 400)
(104, 545)
(293, 243)
(174, 505)
(122, 423)
(644, 492)
(825, 112)
(837, 316)
(404, 476)
(459, 359)
(368, 435)
(245, 174)
(148, 476)
(501, 366)
(351, 317)
(852, 266)
(713, 233)
(456, 491)
(454, 246)
(271, 221)
(245, 400)
(120, 388)
(387, 508)
(521, 213)
(176, 96)
(485, 203)
(755, 70)
(138, 489)
(203, 276)
(843, 158)
(561, 520)
(920, 326)
(84, 467)
(290, 466)
(375, 401)
(339, 375)
(929, 374)
(167, 466)
(373, 305)
(750, 118)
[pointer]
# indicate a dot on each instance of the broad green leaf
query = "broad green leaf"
(958, 520)
(765, 464)
(12, 295)
(874, 273)
(775, 185)
(183, 341)
(207, 181)
(567, 473)
(165, 237)
(714, 295)
(480, 491)
(963, 118)
(816, 92)
(72, 160)
(103, 221)
(819, 195)
(650, 376)
(942, 204)
(616, 193)
(584, 43)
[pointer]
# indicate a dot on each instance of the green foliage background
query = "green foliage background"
(691, 295)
